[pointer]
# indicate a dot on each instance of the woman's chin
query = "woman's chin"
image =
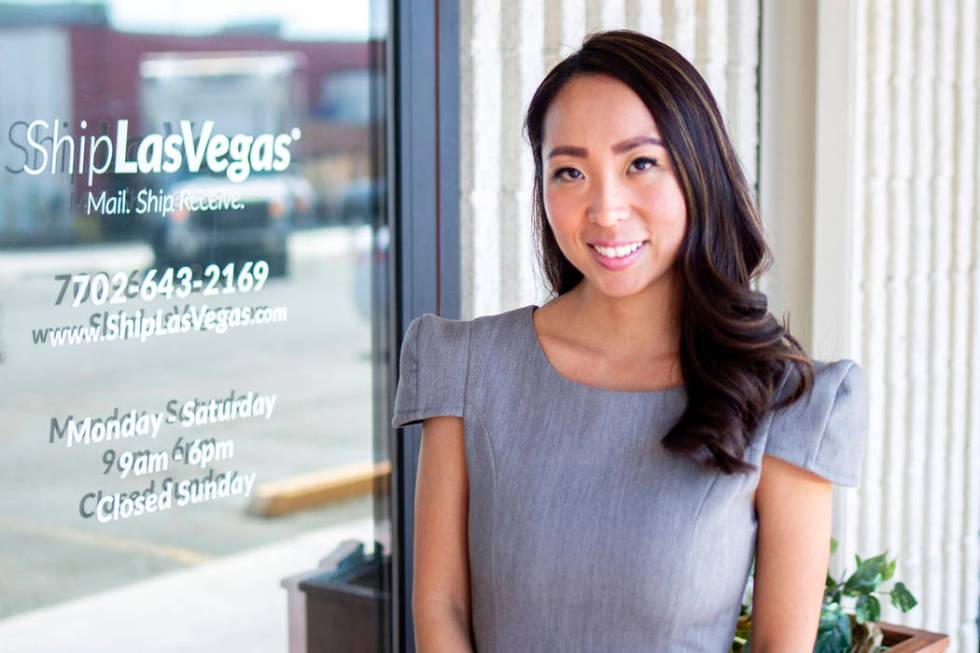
(617, 288)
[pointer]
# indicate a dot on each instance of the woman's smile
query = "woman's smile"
(619, 257)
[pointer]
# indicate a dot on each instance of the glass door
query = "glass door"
(193, 266)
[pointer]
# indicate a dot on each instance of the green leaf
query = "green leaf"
(831, 590)
(889, 570)
(902, 598)
(829, 585)
(867, 608)
(834, 631)
(833, 546)
(869, 575)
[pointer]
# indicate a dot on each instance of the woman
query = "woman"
(597, 473)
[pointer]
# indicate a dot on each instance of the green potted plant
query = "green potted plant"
(855, 629)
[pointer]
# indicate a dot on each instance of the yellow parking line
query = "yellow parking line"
(319, 488)
(173, 553)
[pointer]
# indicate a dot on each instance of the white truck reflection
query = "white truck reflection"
(241, 94)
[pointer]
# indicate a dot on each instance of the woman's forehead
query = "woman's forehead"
(596, 109)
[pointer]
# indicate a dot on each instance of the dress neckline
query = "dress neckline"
(543, 359)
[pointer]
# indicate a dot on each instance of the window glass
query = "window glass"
(192, 263)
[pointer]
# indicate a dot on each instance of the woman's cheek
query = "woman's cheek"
(556, 211)
(666, 202)
(562, 228)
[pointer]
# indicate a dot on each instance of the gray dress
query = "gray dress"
(584, 533)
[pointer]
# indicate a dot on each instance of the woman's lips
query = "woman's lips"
(618, 263)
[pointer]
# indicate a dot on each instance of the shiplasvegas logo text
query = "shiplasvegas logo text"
(141, 325)
(50, 147)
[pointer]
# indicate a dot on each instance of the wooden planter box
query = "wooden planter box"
(342, 605)
(900, 639)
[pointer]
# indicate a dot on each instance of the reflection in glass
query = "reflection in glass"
(192, 256)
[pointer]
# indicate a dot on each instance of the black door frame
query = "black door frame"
(424, 187)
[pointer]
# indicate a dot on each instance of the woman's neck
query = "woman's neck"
(644, 325)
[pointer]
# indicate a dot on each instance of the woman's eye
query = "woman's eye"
(641, 160)
(559, 171)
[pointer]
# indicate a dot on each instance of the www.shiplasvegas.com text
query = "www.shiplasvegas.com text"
(141, 325)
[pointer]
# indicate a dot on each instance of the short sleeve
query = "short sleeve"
(825, 430)
(432, 370)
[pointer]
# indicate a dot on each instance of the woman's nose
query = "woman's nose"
(608, 203)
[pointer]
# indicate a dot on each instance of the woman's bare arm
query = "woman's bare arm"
(441, 594)
(792, 551)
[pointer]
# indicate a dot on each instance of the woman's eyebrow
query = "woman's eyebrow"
(618, 148)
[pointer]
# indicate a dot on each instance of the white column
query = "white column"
(894, 281)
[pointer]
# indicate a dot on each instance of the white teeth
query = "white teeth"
(618, 252)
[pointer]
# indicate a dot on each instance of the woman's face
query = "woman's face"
(610, 194)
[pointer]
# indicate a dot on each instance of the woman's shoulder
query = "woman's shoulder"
(453, 332)
(831, 378)
(438, 354)
(825, 429)
(488, 319)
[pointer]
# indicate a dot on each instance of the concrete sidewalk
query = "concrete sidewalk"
(234, 604)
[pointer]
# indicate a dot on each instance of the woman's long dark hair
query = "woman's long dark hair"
(734, 353)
